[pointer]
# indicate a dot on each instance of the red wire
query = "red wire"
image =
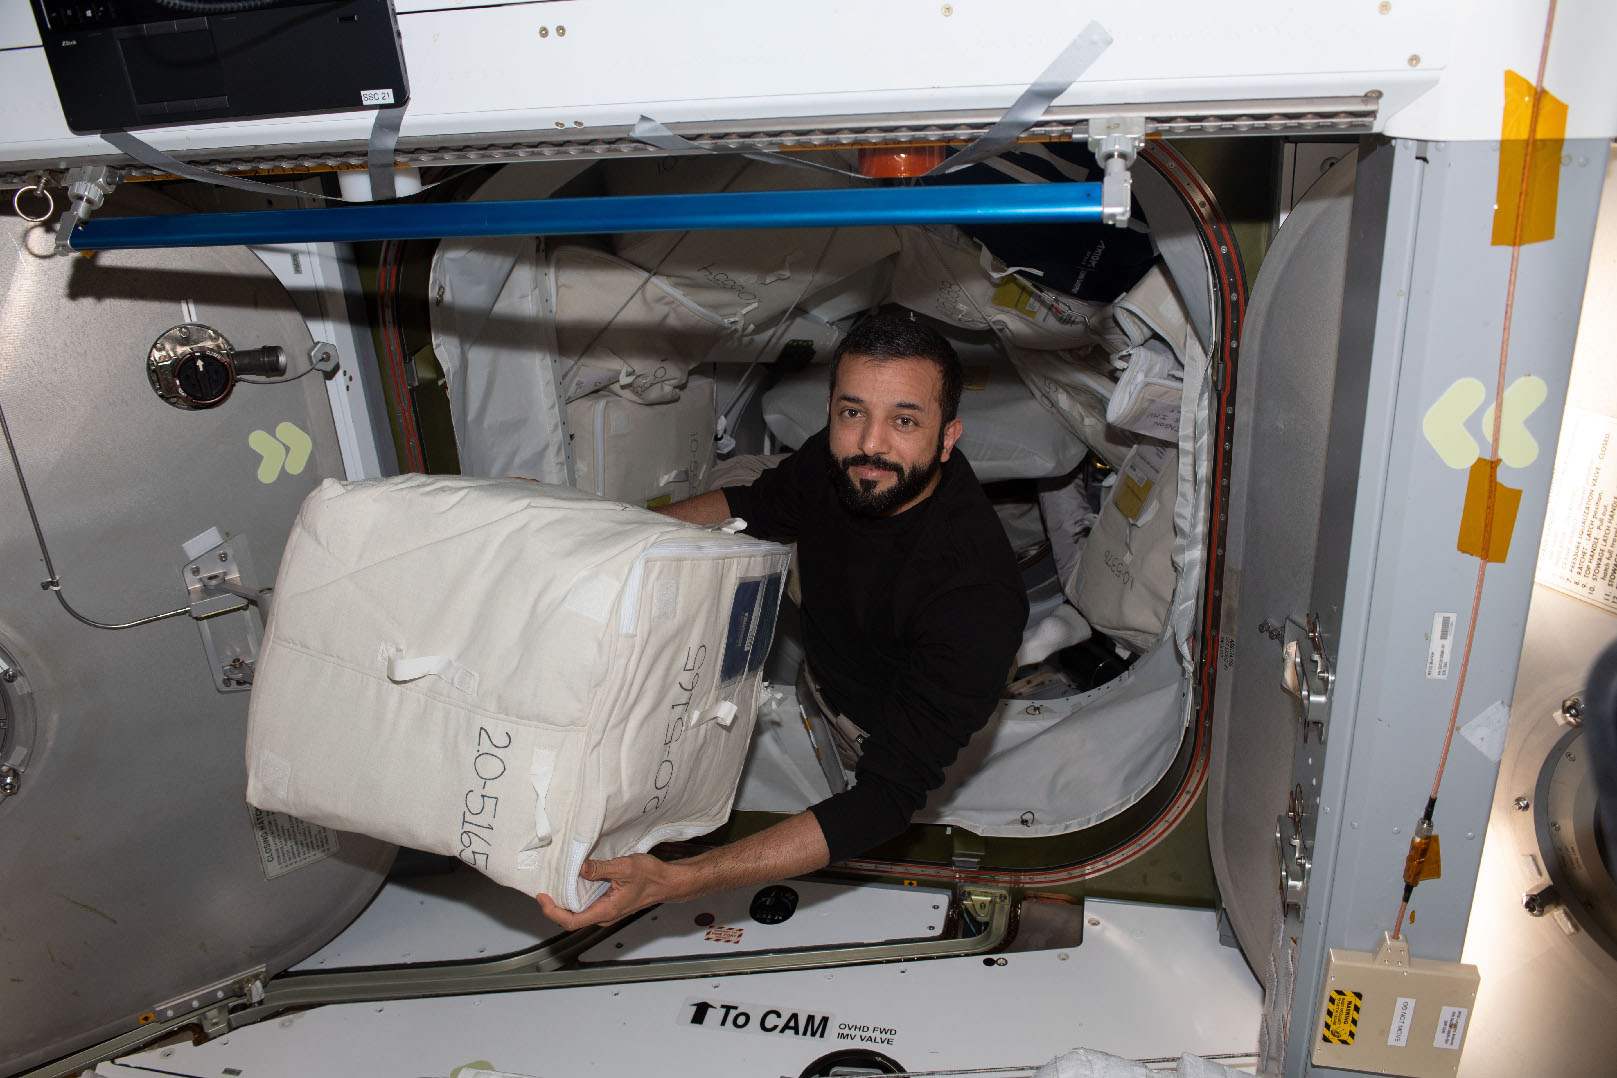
(1498, 416)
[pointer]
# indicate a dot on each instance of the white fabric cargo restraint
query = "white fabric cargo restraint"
(518, 675)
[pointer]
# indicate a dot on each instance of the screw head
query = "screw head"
(9, 676)
(196, 570)
(1522, 804)
(224, 555)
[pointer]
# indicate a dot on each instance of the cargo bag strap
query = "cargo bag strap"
(401, 670)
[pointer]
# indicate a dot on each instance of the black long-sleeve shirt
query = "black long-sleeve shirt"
(910, 626)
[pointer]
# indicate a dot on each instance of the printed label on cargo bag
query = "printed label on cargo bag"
(1341, 1017)
(752, 623)
(286, 843)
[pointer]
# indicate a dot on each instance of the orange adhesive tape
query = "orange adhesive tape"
(1506, 501)
(1544, 183)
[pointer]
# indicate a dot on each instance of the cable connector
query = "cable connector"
(1425, 859)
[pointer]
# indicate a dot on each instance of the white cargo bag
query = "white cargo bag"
(1124, 582)
(644, 454)
(518, 675)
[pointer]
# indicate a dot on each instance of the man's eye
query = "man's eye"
(905, 421)
(849, 413)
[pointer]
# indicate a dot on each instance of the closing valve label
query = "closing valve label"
(1341, 1016)
(286, 843)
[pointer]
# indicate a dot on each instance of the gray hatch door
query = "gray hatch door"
(1284, 398)
(138, 883)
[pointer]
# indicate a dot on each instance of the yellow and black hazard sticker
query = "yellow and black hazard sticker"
(1342, 1016)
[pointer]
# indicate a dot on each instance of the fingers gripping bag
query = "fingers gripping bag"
(514, 674)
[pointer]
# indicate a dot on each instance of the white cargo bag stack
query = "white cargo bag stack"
(644, 454)
(518, 675)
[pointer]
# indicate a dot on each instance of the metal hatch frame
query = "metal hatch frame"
(552, 964)
(543, 967)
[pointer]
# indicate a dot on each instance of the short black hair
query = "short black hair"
(884, 336)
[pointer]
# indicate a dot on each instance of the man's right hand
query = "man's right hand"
(637, 881)
(705, 509)
(789, 848)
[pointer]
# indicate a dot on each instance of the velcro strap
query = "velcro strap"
(723, 713)
(540, 774)
(401, 670)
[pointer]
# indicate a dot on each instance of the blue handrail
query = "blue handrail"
(976, 204)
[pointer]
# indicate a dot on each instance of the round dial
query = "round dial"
(773, 904)
(203, 377)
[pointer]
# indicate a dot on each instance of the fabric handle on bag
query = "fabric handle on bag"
(724, 713)
(401, 670)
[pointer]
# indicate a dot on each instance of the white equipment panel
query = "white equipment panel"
(1191, 996)
(825, 915)
(588, 70)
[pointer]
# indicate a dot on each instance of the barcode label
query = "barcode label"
(1439, 645)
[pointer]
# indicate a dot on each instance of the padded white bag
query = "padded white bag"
(518, 675)
(1124, 582)
(644, 454)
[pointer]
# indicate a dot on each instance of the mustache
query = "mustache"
(865, 460)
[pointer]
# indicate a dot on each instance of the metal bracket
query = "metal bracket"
(16, 725)
(214, 585)
(1295, 851)
(212, 999)
(969, 850)
(1307, 673)
(1116, 141)
(87, 187)
(323, 358)
(980, 903)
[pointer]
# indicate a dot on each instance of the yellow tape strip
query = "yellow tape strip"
(1506, 501)
(1544, 184)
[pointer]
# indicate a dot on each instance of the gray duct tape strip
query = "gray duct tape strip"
(379, 159)
(1063, 71)
(147, 154)
(653, 133)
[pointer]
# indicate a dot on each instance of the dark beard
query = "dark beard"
(860, 496)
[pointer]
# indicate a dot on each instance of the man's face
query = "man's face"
(888, 438)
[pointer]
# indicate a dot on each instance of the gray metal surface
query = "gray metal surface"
(1544, 1006)
(132, 873)
(1435, 317)
(1283, 410)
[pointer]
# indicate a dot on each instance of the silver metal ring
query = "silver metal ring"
(37, 189)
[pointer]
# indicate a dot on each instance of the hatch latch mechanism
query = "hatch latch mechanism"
(1307, 674)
